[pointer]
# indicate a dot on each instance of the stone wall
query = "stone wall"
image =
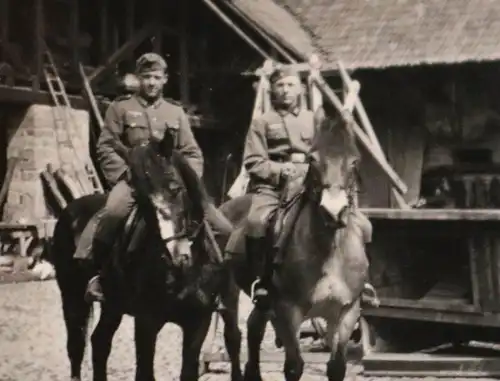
(37, 139)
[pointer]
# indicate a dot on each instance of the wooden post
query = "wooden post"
(184, 52)
(74, 33)
(39, 44)
(104, 41)
(4, 26)
(120, 53)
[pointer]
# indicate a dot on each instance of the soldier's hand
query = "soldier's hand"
(289, 170)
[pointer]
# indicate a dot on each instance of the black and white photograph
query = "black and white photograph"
(249, 190)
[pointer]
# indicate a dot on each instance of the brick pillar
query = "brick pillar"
(37, 141)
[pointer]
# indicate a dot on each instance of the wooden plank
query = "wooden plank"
(91, 98)
(26, 95)
(433, 214)
(121, 53)
(39, 37)
(429, 315)
(424, 365)
(444, 305)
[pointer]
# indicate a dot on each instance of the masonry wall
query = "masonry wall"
(34, 137)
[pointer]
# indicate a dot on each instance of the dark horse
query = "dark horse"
(322, 266)
(163, 272)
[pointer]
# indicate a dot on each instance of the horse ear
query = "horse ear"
(167, 144)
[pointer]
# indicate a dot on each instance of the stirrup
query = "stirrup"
(252, 288)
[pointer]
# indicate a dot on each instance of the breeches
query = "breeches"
(118, 205)
(264, 203)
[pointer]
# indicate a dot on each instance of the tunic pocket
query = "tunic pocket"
(136, 129)
(277, 132)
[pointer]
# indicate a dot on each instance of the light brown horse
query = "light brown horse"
(324, 265)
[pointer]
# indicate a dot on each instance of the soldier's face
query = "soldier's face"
(287, 90)
(152, 82)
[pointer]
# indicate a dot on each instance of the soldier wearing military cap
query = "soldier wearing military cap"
(130, 121)
(274, 143)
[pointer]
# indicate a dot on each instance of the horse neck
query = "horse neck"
(314, 236)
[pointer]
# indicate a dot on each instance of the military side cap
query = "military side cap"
(281, 72)
(150, 62)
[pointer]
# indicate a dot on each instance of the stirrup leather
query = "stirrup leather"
(252, 288)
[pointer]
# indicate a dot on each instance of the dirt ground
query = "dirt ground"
(32, 342)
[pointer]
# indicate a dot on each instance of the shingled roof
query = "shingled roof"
(383, 33)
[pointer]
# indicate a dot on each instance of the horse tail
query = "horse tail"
(72, 275)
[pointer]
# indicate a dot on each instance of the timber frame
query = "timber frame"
(114, 39)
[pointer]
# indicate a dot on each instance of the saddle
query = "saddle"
(279, 226)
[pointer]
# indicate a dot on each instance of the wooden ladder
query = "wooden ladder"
(64, 119)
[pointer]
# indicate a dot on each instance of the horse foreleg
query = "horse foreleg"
(194, 334)
(256, 328)
(232, 333)
(146, 331)
(286, 324)
(76, 313)
(102, 337)
(338, 335)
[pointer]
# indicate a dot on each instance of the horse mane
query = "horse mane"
(194, 185)
(335, 138)
(151, 172)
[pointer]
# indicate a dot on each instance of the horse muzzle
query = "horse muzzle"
(335, 202)
(181, 253)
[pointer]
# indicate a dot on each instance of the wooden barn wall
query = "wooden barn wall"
(416, 111)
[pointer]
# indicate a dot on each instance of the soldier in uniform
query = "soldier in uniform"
(130, 121)
(274, 144)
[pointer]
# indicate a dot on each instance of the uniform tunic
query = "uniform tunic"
(131, 121)
(270, 142)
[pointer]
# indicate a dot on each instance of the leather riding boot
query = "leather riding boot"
(257, 250)
(94, 291)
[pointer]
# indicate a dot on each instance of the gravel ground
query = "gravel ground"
(32, 342)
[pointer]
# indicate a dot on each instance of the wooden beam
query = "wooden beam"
(104, 30)
(184, 52)
(121, 53)
(427, 365)
(26, 95)
(276, 46)
(236, 28)
(39, 38)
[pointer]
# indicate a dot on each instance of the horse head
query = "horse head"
(172, 196)
(333, 173)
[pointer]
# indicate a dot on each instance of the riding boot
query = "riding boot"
(94, 291)
(257, 251)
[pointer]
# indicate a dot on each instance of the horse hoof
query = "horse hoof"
(252, 374)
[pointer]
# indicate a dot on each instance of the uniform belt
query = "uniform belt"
(298, 158)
